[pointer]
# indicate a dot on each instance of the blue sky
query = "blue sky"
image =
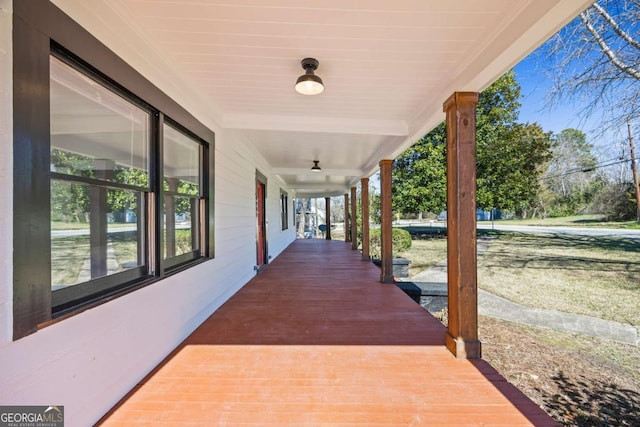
(535, 85)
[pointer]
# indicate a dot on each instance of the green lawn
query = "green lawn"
(69, 253)
(67, 256)
(595, 276)
(425, 254)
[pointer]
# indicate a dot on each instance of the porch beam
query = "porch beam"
(462, 334)
(386, 274)
(364, 200)
(354, 220)
(347, 231)
(327, 216)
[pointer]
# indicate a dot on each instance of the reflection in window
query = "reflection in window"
(284, 209)
(182, 195)
(88, 242)
(91, 124)
(99, 164)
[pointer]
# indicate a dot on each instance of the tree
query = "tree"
(570, 177)
(337, 209)
(596, 58)
(419, 175)
(616, 201)
(509, 158)
(508, 170)
(572, 165)
(69, 201)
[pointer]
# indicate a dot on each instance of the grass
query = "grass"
(69, 253)
(624, 357)
(425, 254)
(583, 221)
(594, 276)
(579, 380)
(67, 256)
(125, 246)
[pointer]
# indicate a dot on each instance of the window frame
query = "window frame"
(175, 261)
(284, 209)
(39, 29)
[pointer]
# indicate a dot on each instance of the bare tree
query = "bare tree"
(595, 61)
(571, 168)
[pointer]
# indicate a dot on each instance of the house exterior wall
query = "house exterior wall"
(88, 361)
(6, 170)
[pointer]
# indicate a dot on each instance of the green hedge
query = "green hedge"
(401, 242)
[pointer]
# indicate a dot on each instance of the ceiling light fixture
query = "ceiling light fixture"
(315, 167)
(309, 83)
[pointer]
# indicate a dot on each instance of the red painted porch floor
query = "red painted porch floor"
(316, 340)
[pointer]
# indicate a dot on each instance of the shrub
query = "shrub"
(183, 241)
(616, 202)
(401, 241)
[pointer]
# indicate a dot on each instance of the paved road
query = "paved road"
(579, 231)
(86, 232)
(502, 226)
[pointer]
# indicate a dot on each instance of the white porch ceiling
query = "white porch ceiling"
(387, 66)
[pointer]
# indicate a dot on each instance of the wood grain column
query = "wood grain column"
(327, 217)
(386, 232)
(347, 230)
(462, 335)
(354, 220)
(364, 199)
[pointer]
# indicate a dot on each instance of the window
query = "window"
(182, 196)
(112, 179)
(284, 209)
(99, 149)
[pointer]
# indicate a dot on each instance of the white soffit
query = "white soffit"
(387, 65)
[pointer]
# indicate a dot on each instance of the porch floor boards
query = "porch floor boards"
(316, 339)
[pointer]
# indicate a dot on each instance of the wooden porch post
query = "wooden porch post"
(462, 335)
(327, 216)
(354, 220)
(170, 214)
(347, 231)
(386, 232)
(364, 196)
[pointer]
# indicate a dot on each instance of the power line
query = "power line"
(603, 164)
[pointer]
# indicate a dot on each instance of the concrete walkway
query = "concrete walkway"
(500, 308)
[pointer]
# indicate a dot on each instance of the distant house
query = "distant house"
(481, 215)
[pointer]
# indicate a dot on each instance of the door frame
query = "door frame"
(261, 231)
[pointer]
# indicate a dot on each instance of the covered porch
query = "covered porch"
(294, 332)
(317, 339)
